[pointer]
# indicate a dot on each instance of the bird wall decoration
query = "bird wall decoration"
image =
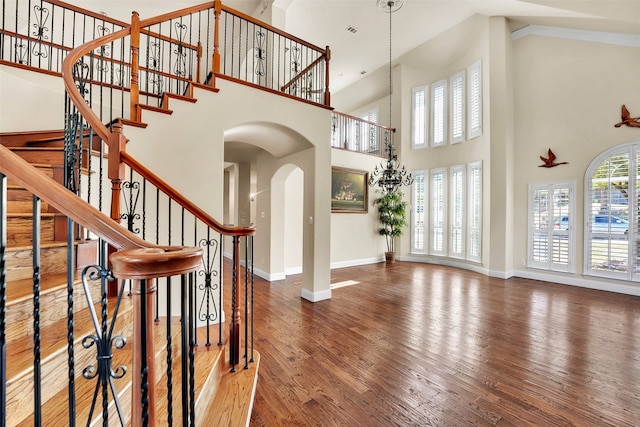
(550, 161)
(633, 122)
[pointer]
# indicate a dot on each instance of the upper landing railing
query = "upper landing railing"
(192, 45)
(355, 134)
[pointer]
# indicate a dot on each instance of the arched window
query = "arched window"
(612, 189)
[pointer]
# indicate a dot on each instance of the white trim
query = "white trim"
(460, 112)
(448, 262)
(630, 40)
(424, 141)
(315, 296)
(293, 270)
(356, 262)
(582, 282)
(269, 277)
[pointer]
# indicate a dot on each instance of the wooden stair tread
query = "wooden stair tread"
(20, 290)
(233, 401)
(53, 339)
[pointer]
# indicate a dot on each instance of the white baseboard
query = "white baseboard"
(581, 281)
(356, 262)
(269, 277)
(315, 296)
(293, 270)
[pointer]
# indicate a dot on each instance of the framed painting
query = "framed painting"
(349, 191)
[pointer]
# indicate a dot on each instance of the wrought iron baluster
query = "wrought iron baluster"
(169, 358)
(208, 311)
(252, 300)
(70, 326)
(103, 339)
(144, 366)
(220, 239)
(41, 15)
(37, 368)
(192, 351)
(246, 302)
(130, 194)
(184, 345)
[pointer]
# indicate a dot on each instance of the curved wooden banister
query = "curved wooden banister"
(182, 201)
(88, 13)
(67, 76)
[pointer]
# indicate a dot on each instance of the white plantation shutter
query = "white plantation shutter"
(474, 102)
(612, 187)
(439, 113)
(457, 115)
(438, 211)
(418, 213)
(551, 225)
(457, 212)
(419, 117)
(474, 223)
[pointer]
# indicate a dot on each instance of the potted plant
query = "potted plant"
(391, 213)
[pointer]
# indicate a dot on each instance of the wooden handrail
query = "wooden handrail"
(66, 202)
(69, 84)
(88, 13)
(182, 201)
(364, 121)
(302, 73)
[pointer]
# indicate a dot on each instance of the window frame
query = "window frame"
(554, 236)
(457, 214)
(442, 110)
(632, 272)
(417, 174)
(435, 213)
(457, 104)
(474, 204)
(420, 141)
(474, 100)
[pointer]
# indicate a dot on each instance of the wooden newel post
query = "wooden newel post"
(327, 93)
(117, 143)
(143, 365)
(143, 266)
(135, 59)
(216, 40)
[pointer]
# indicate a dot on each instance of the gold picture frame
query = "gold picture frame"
(349, 190)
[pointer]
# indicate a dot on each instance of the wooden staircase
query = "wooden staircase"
(221, 397)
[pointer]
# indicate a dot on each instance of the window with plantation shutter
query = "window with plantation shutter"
(438, 212)
(439, 113)
(612, 204)
(419, 117)
(457, 114)
(474, 102)
(456, 211)
(551, 225)
(474, 209)
(418, 212)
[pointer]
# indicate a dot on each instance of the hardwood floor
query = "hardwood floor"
(423, 345)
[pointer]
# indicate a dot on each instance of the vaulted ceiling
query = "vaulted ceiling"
(355, 54)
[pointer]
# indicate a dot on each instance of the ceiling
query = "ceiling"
(353, 55)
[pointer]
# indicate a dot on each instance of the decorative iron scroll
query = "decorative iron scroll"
(208, 310)
(180, 67)
(261, 53)
(104, 341)
(41, 16)
(130, 194)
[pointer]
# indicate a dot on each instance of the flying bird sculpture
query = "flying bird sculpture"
(550, 161)
(633, 122)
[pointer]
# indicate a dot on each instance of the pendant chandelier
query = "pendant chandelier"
(389, 176)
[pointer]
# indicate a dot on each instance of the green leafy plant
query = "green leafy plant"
(391, 213)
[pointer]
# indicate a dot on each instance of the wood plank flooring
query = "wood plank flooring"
(422, 345)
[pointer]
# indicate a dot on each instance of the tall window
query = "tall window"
(551, 224)
(439, 113)
(474, 102)
(418, 212)
(419, 117)
(457, 212)
(612, 190)
(438, 212)
(474, 222)
(457, 116)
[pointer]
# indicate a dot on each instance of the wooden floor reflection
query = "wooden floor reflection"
(423, 345)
